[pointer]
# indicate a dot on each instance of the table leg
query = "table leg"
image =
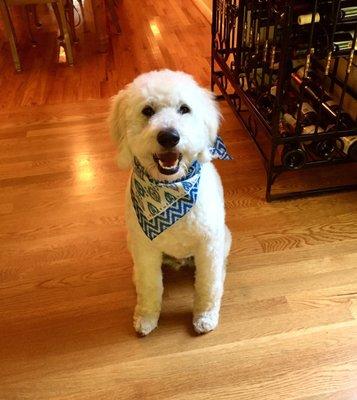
(100, 22)
(10, 32)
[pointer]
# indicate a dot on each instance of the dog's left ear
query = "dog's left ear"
(118, 127)
(212, 118)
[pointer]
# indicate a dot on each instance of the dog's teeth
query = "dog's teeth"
(168, 168)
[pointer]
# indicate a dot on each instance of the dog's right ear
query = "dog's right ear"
(118, 127)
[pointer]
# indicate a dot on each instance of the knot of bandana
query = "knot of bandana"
(219, 150)
(159, 204)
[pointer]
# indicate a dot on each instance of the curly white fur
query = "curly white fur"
(202, 232)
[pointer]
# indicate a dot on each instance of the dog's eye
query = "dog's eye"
(184, 109)
(148, 111)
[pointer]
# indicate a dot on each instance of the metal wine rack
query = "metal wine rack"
(272, 58)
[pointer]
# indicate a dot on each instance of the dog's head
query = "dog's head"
(165, 120)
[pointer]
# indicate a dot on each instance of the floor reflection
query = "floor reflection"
(84, 168)
(155, 29)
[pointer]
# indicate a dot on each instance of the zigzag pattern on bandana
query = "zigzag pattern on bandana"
(219, 150)
(160, 204)
(161, 222)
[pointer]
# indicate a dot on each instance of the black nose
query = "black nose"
(168, 138)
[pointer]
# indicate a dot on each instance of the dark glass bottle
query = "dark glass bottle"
(254, 58)
(302, 12)
(312, 77)
(324, 148)
(348, 145)
(306, 19)
(293, 155)
(345, 120)
(320, 99)
(313, 89)
(266, 103)
(248, 86)
(342, 43)
(308, 115)
(328, 15)
(347, 12)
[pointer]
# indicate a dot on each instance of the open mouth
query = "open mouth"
(168, 163)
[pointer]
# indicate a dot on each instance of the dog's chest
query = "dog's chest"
(181, 239)
(204, 220)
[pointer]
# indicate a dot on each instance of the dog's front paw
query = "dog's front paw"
(206, 321)
(144, 324)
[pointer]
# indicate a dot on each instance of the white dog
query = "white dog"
(165, 126)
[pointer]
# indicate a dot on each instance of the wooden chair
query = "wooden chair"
(32, 17)
(58, 8)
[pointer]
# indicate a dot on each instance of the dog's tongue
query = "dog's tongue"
(168, 159)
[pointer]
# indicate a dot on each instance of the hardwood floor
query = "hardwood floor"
(156, 34)
(288, 325)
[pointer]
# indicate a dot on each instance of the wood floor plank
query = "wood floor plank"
(227, 370)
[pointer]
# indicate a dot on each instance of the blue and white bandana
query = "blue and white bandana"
(159, 204)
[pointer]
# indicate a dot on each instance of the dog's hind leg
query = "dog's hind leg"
(149, 287)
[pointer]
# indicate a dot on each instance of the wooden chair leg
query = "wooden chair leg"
(99, 16)
(84, 21)
(10, 32)
(70, 12)
(35, 16)
(67, 39)
(29, 11)
(58, 19)
(111, 4)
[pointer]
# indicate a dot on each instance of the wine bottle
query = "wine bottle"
(312, 88)
(266, 103)
(254, 58)
(320, 98)
(311, 79)
(305, 19)
(324, 148)
(345, 120)
(293, 155)
(342, 43)
(248, 86)
(302, 12)
(308, 115)
(348, 145)
(344, 15)
(258, 60)
(347, 11)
